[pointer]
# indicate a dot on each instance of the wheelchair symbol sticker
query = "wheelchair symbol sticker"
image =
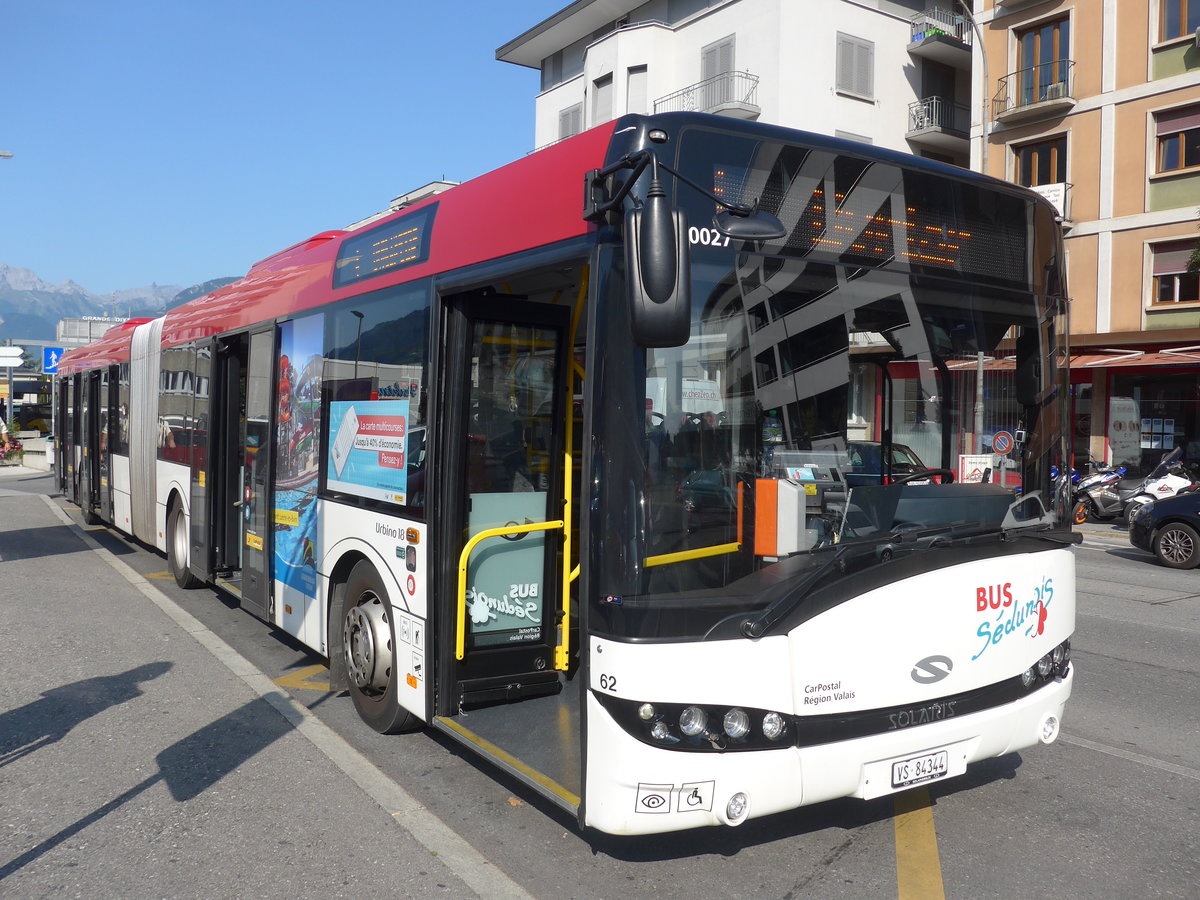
(696, 795)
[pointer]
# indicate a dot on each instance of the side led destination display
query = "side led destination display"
(385, 248)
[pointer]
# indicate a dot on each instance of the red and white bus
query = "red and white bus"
(566, 448)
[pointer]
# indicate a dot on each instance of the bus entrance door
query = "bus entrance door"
(506, 603)
(240, 457)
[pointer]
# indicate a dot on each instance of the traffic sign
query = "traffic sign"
(11, 351)
(1002, 442)
(50, 358)
(11, 357)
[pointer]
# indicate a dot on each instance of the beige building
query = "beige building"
(1096, 103)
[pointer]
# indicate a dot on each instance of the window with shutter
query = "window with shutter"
(637, 99)
(716, 60)
(602, 99)
(570, 121)
(855, 66)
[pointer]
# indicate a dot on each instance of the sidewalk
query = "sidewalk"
(141, 757)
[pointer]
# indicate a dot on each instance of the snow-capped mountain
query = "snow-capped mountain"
(30, 307)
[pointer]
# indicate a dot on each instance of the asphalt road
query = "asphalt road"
(1111, 810)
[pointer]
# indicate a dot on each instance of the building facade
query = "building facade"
(1097, 105)
(882, 71)
(1094, 104)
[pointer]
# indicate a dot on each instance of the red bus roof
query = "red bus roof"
(535, 201)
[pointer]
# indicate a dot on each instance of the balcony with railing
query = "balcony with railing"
(941, 35)
(1035, 92)
(727, 94)
(938, 123)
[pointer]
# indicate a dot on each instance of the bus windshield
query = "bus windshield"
(885, 379)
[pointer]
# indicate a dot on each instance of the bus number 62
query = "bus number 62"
(608, 682)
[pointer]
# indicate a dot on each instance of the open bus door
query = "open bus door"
(106, 420)
(239, 456)
(503, 484)
(87, 474)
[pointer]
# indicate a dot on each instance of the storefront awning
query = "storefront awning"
(1115, 358)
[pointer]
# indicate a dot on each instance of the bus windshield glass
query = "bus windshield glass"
(880, 389)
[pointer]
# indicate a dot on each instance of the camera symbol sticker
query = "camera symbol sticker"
(654, 798)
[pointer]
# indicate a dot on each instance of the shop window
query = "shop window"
(1042, 162)
(1178, 133)
(1177, 18)
(1173, 283)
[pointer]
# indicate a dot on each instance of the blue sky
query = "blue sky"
(175, 141)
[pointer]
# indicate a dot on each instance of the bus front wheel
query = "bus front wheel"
(177, 550)
(368, 641)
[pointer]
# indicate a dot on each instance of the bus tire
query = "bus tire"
(368, 642)
(177, 549)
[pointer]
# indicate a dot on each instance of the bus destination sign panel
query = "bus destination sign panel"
(385, 248)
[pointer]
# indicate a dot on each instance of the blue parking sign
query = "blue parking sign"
(50, 358)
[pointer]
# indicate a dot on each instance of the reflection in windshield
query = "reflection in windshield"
(823, 402)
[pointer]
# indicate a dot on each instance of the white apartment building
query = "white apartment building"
(896, 73)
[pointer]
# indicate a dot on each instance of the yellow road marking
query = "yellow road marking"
(918, 869)
(158, 576)
(304, 679)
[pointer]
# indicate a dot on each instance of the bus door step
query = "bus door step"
(506, 688)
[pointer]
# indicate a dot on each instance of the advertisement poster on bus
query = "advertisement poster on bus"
(296, 453)
(367, 449)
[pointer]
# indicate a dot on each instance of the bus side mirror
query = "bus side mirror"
(658, 274)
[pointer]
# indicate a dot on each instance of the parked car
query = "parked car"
(865, 458)
(1170, 529)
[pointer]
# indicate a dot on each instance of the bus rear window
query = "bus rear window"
(385, 248)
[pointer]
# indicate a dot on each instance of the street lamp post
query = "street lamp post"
(984, 115)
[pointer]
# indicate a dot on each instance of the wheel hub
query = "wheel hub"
(1176, 546)
(368, 642)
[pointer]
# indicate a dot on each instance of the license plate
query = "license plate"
(919, 769)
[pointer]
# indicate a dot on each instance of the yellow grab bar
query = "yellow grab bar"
(684, 555)
(460, 646)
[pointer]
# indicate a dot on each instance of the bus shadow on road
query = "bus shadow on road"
(189, 767)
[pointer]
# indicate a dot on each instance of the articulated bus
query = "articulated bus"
(567, 462)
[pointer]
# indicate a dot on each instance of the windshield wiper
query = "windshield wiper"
(757, 627)
(1044, 531)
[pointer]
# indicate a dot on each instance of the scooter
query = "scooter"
(1080, 500)
(1168, 479)
(1103, 495)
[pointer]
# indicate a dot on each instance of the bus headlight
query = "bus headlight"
(773, 726)
(692, 721)
(737, 723)
(696, 727)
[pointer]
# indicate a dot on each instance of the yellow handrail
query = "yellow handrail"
(685, 555)
(460, 647)
(562, 648)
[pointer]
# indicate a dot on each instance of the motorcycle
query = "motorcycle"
(1168, 479)
(1081, 500)
(1103, 495)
